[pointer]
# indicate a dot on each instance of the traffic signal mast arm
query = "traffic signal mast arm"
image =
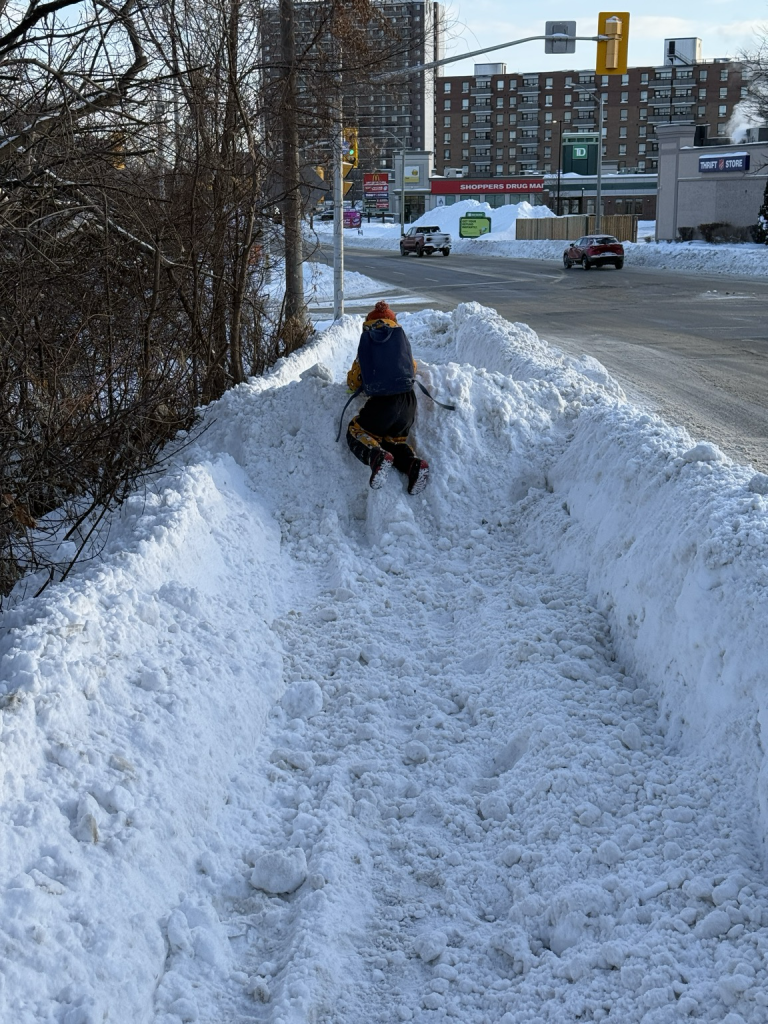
(554, 36)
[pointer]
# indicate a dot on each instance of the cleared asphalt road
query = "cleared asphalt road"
(693, 348)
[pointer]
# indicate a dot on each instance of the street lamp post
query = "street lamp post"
(599, 186)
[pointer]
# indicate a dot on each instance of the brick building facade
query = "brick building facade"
(494, 123)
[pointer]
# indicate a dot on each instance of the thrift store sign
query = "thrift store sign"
(732, 162)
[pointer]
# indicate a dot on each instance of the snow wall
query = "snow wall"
(672, 536)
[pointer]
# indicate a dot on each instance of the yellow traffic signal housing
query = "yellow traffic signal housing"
(349, 150)
(612, 51)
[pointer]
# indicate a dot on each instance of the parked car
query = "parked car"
(594, 251)
(427, 240)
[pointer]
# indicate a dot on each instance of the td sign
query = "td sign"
(580, 153)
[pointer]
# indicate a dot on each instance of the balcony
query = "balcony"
(663, 117)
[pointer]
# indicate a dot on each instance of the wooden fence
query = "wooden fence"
(567, 229)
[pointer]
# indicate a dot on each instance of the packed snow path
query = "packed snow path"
(321, 754)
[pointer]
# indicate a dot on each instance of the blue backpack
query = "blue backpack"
(386, 361)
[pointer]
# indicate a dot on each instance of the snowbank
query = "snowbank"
(687, 257)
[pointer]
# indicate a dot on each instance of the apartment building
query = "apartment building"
(391, 115)
(497, 123)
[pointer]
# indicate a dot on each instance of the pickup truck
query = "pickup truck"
(425, 240)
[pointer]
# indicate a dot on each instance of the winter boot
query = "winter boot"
(418, 474)
(380, 462)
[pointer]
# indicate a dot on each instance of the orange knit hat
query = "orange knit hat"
(381, 311)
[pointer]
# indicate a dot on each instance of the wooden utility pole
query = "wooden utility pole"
(296, 328)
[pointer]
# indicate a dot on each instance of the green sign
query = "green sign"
(472, 225)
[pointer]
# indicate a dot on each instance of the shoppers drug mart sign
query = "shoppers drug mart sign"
(486, 186)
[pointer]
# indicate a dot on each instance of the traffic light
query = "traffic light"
(612, 51)
(349, 150)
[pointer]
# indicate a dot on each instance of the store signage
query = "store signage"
(475, 186)
(719, 164)
(376, 186)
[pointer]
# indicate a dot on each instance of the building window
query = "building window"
(499, 168)
(499, 83)
(548, 100)
(622, 132)
(547, 151)
(643, 114)
(644, 96)
(464, 104)
(641, 147)
(644, 78)
(499, 119)
(446, 105)
(548, 118)
(465, 86)
(702, 94)
(446, 122)
(721, 128)
(724, 74)
(642, 131)
(703, 75)
(446, 86)
(568, 97)
(547, 168)
(568, 81)
(465, 136)
(624, 115)
(625, 97)
(465, 154)
(499, 136)
(641, 165)
(499, 101)
(513, 83)
(446, 154)
(465, 118)
(513, 118)
(622, 150)
(447, 139)
(724, 93)
(701, 111)
(722, 110)
(605, 80)
(547, 134)
(567, 115)
(624, 80)
(548, 83)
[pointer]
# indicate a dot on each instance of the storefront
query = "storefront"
(707, 188)
(494, 191)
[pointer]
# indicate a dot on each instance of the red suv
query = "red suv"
(594, 251)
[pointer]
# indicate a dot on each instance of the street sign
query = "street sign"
(563, 28)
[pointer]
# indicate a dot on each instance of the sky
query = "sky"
(724, 28)
(288, 749)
